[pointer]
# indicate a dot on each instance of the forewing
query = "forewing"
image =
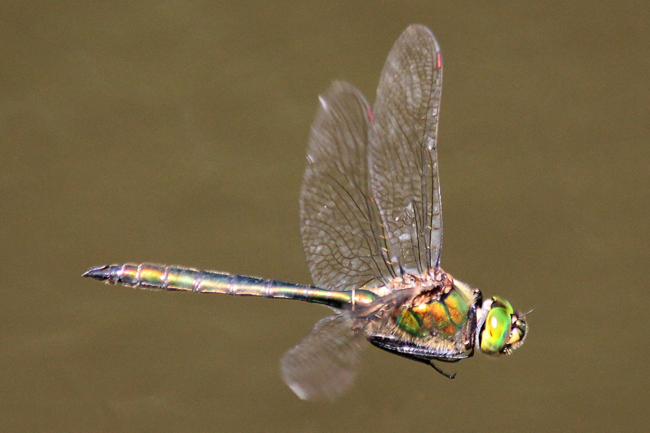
(403, 160)
(340, 224)
(323, 365)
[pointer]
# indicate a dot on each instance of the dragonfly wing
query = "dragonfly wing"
(402, 151)
(323, 365)
(340, 224)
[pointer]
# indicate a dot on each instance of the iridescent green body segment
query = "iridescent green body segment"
(444, 317)
(148, 276)
(371, 226)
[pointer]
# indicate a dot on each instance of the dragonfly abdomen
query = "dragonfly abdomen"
(149, 276)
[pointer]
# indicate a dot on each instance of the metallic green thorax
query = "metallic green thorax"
(443, 317)
(148, 276)
(436, 321)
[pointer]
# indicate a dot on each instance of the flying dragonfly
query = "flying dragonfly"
(371, 225)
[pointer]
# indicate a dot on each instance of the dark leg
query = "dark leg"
(447, 375)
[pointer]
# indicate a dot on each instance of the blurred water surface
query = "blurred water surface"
(175, 132)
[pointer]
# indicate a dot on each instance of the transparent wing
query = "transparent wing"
(342, 236)
(323, 365)
(402, 154)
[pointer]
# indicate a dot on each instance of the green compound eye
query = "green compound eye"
(496, 330)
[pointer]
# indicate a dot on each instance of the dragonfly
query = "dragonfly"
(371, 226)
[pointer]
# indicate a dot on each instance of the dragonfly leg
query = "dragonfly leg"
(447, 375)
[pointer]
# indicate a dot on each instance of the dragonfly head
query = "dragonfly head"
(503, 330)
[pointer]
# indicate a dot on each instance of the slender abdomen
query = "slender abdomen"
(148, 276)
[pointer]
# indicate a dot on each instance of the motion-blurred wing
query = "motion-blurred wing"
(341, 232)
(403, 160)
(323, 365)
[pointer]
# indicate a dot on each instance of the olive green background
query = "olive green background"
(175, 132)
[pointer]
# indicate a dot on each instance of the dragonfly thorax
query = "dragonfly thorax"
(436, 321)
